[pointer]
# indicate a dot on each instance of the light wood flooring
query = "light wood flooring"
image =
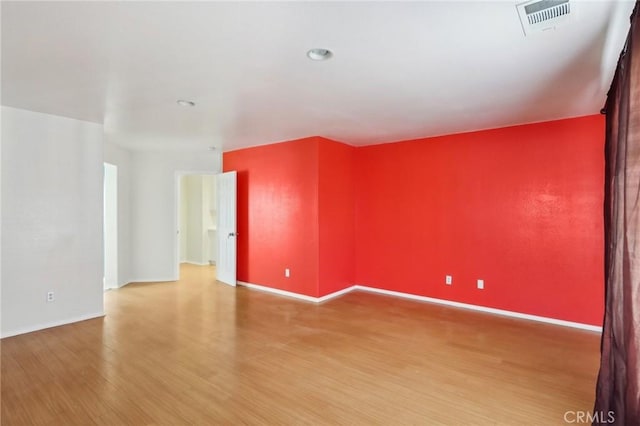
(198, 352)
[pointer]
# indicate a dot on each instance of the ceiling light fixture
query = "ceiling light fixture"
(184, 103)
(319, 54)
(212, 148)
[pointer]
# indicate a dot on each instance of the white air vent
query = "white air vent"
(543, 15)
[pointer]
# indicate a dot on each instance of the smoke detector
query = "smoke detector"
(543, 15)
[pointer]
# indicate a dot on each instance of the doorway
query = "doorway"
(110, 226)
(197, 214)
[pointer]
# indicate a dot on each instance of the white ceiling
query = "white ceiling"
(400, 70)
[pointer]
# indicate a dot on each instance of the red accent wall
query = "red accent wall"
(278, 214)
(520, 207)
(336, 193)
(296, 210)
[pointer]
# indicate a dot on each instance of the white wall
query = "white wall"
(195, 232)
(51, 220)
(1, 260)
(110, 226)
(154, 208)
(121, 157)
(210, 203)
(184, 223)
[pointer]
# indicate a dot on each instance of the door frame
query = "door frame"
(177, 196)
(110, 259)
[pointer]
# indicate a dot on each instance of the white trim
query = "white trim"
(195, 263)
(154, 280)
(336, 294)
(296, 295)
(46, 325)
(461, 305)
(480, 308)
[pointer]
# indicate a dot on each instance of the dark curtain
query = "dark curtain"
(618, 388)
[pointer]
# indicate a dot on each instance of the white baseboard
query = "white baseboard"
(195, 263)
(51, 324)
(110, 286)
(335, 294)
(295, 295)
(461, 305)
(495, 311)
(152, 280)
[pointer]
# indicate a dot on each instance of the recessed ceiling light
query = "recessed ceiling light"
(184, 103)
(319, 54)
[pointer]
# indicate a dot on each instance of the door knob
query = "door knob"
(231, 234)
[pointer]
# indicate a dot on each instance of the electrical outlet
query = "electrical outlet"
(50, 296)
(448, 280)
(287, 273)
(480, 284)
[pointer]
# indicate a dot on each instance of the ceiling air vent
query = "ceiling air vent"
(543, 15)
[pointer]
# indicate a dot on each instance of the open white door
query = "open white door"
(226, 226)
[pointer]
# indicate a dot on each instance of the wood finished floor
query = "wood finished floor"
(199, 352)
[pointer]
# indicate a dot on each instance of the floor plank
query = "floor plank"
(199, 352)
